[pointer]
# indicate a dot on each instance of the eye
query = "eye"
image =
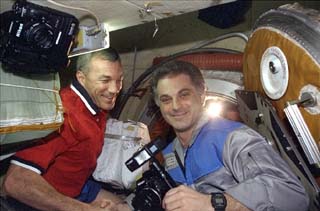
(184, 94)
(165, 100)
(105, 81)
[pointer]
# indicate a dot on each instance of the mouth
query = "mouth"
(179, 115)
(108, 98)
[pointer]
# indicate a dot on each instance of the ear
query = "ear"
(81, 77)
(156, 100)
(203, 98)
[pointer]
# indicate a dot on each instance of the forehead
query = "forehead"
(105, 67)
(172, 84)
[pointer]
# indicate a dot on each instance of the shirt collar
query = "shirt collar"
(85, 97)
(201, 122)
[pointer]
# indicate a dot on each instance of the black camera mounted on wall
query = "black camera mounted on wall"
(36, 39)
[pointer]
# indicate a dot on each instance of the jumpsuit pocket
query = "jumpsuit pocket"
(250, 166)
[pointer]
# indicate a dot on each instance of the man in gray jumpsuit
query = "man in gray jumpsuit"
(220, 164)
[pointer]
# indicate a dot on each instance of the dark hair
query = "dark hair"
(174, 68)
(83, 61)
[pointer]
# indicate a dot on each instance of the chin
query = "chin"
(108, 107)
(180, 127)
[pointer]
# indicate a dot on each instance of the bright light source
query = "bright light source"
(214, 109)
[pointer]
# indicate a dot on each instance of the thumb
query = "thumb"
(105, 203)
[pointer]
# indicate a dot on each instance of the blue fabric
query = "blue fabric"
(204, 156)
(89, 191)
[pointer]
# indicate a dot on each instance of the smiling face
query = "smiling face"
(103, 82)
(180, 102)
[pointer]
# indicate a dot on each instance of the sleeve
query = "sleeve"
(265, 181)
(38, 158)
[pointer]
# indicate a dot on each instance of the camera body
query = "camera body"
(36, 39)
(151, 188)
(154, 183)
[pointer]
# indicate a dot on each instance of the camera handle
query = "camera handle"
(155, 164)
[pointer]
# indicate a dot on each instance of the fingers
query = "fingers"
(105, 203)
(175, 198)
(182, 190)
(123, 207)
(185, 199)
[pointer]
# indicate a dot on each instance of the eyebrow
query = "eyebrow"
(185, 89)
(181, 91)
(165, 95)
(108, 77)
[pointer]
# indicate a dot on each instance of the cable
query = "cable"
(222, 37)
(134, 64)
(29, 87)
(91, 32)
(147, 9)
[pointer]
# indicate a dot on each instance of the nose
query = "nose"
(176, 103)
(114, 87)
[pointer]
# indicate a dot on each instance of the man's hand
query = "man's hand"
(108, 205)
(103, 204)
(123, 207)
(184, 198)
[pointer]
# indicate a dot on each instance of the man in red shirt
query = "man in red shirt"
(55, 175)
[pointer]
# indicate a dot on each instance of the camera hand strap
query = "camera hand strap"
(180, 163)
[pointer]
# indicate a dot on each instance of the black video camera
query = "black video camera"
(36, 39)
(155, 183)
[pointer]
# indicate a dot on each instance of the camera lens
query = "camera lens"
(147, 199)
(41, 35)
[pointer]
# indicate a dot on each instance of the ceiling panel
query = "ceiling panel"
(120, 14)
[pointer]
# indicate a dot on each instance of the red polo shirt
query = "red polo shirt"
(69, 155)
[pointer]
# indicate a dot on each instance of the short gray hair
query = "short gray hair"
(109, 54)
